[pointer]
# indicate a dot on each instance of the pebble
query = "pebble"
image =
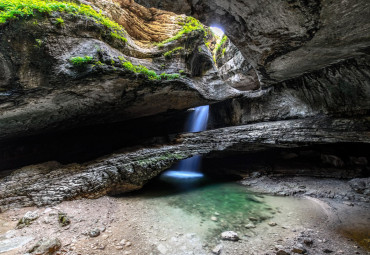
(272, 224)
(308, 241)
(229, 236)
(298, 250)
(214, 218)
(48, 246)
(128, 244)
(94, 232)
(217, 249)
(119, 247)
(250, 225)
(162, 249)
(279, 247)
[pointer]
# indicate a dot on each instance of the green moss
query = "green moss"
(98, 63)
(22, 9)
(59, 21)
(223, 52)
(118, 37)
(38, 43)
(81, 61)
(190, 24)
(220, 44)
(151, 74)
(63, 219)
(169, 54)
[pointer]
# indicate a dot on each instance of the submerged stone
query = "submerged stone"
(229, 236)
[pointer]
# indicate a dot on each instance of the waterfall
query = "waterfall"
(188, 168)
(198, 119)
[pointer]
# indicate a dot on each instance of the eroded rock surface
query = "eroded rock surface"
(41, 90)
(52, 183)
(285, 39)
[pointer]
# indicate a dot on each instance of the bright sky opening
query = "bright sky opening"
(217, 31)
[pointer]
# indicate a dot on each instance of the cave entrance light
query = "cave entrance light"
(217, 31)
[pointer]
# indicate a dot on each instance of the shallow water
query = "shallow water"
(228, 205)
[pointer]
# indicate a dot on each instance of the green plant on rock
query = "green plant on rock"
(118, 37)
(81, 61)
(169, 53)
(220, 44)
(23, 9)
(223, 52)
(151, 74)
(190, 24)
(59, 22)
(38, 43)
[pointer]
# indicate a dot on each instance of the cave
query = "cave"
(184, 127)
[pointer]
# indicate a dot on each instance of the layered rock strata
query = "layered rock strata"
(51, 183)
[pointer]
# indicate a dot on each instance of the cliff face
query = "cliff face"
(285, 39)
(301, 68)
(62, 70)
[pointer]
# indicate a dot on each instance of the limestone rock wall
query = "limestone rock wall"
(51, 183)
(286, 39)
(42, 91)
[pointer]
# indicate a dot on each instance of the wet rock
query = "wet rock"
(250, 225)
(229, 236)
(46, 247)
(63, 219)
(94, 232)
(27, 219)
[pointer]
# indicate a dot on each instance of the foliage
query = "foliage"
(117, 36)
(151, 74)
(223, 52)
(168, 54)
(220, 44)
(59, 21)
(81, 61)
(38, 43)
(15, 9)
(190, 24)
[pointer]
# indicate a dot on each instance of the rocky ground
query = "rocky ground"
(145, 224)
